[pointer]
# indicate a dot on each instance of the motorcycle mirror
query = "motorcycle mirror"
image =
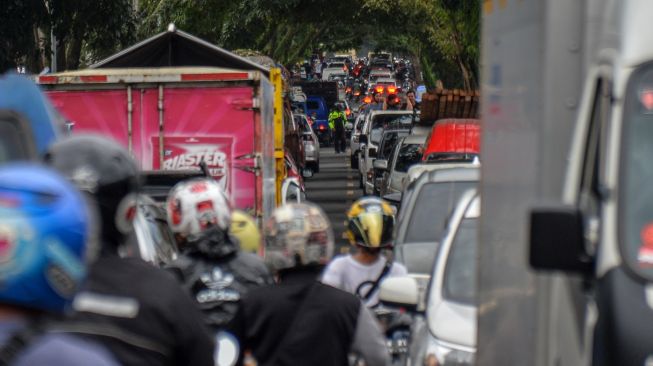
(227, 349)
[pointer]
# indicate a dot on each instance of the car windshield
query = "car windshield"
(635, 190)
(408, 155)
(433, 204)
(388, 143)
(460, 271)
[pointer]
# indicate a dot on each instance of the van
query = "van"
(453, 140)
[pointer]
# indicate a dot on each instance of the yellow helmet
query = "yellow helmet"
(244, 228)
(370, 222)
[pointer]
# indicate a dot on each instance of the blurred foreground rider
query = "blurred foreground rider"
(301, 321)
(45, 243)
(138, 311)
(370, 222)
(244, 228)
(211, 267)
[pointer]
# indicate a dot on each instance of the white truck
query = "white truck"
(566, 237)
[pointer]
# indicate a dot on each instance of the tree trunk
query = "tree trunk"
(74, 53)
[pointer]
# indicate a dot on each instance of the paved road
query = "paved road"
(334, 188)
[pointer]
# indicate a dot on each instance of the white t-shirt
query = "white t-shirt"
(345, 273)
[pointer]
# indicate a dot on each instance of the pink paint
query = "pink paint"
(207, 123)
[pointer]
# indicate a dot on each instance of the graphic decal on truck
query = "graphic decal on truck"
(186, 153)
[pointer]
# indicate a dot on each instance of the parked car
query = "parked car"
(425, 206)
(446, 332)
(453, 140)
(152, 239)
(354, 143)
(406, 153)
(390, 139)
(311, 145)
(370, 138)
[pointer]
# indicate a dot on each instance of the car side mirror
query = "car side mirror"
(380, 164)
(400, 291)
(557, 240)
(362, 139)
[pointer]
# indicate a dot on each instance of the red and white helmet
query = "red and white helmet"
(195, 205)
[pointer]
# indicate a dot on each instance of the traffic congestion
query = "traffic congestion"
(298, 193)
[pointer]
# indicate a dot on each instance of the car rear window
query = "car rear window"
(388, 143)
(433, 205)
(311, 104)
(460, 271)
(408, 155)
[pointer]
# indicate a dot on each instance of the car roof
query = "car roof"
(448, 174)
(386, 80)
(375, 113)
(414, 139)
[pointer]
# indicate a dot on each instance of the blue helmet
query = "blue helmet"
(44, 230)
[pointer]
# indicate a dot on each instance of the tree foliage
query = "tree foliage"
(441, 36)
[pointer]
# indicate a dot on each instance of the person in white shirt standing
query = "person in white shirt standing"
(370, 222)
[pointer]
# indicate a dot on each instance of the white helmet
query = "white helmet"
(195, 205)
(298, 234)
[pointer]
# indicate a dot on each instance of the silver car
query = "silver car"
(425, 206)
(407, 153)
(311, 145)
(370, 138)
(444, 331)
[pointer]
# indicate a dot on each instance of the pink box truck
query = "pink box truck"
(174, 118)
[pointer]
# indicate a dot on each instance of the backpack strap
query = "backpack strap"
(19, 340)
(375, 284)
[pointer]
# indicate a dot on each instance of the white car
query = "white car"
(370, 138)
(445, 334)
(406, 154)
(354, 143)
(336, 68)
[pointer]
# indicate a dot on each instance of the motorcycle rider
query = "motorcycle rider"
(337, 119)
(211, 266)
(300, 321)
(370, 222)
(136, 310)
(46, 241)
(243, 227)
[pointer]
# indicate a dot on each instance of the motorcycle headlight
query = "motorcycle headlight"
(441, 353)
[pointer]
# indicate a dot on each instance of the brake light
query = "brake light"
(367, 100)
(348, 112)
(379, 89)
(392, 89)
(322, 127)
(357, 93)
(348, 90)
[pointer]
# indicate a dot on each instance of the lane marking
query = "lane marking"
(350, 193)
(350, 184)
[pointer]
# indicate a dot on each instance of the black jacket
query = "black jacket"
(217, 274)
(332, 324)
(142, 315)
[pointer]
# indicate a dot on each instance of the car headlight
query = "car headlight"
(441, 353)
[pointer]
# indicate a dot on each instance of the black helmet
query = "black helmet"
(107, 172)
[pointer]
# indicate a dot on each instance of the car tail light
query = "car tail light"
(367, 100)
(348, 112)
(392, 89)
(357, 93)
(379, 89)
(322, 127)
(348, 90)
